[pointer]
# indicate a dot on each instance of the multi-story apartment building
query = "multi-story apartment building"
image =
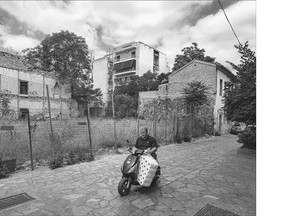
(126, 61)
(136, 58)
(27, 90)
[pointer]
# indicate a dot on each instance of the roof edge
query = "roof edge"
(225, 70)
(189, 63)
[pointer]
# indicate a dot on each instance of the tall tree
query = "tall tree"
(195, 95)
(148, 82)
(128, 93)
(240, 94)
(125, 106)
(66, 56)
(190, 53)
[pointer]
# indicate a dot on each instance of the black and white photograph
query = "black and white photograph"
(128, 108)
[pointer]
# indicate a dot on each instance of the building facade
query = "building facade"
(126, 61)
(27, 90)
(212, 75)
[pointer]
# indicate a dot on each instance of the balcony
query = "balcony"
(125, 58)
(125, 67)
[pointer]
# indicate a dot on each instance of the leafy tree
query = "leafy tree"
(189, 54)
(4, 104)
(131, 88)
(129, 93)
(162, 78)
(148, 82)
(240, 94)
(195, 95)
(125, 106)
(66, 56)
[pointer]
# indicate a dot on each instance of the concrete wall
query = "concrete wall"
(145, 59)
(219, 104)
(100, 76)
(163, 63)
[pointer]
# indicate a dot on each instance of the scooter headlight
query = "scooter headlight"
(131, 170)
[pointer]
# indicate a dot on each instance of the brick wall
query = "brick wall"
(195, 71)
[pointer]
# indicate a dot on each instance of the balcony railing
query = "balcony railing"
(125, 58)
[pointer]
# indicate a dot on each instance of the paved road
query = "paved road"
(193, 174)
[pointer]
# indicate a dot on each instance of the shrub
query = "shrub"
(3, 171)
(72, 156)
(248, 138)
(110, 144)
(56, 161)
(186, 139)
(177, 138)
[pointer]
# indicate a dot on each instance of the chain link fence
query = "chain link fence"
(170, 120)
(167, 120)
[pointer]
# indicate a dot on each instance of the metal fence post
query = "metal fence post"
(154, 119)
(138, 120)
(166, 112)
(114, 122)
(50, 119)
(30, 141)
(89, 128)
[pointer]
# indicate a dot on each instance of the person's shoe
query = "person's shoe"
(158, 172)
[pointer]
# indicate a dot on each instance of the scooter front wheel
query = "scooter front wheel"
(124, 186)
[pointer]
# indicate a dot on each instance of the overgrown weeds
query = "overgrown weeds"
(71, 156)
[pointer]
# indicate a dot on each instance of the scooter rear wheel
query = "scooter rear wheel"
(124, 186)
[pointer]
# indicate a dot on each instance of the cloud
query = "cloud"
(167, 25)
(18, 42)
(215, 35)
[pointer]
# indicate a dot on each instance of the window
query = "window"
(133, 55)
(156, 58)
(24, 87)
(118, 58)
(23, 113)
(221, 87)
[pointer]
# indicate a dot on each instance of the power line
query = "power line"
(229, 21)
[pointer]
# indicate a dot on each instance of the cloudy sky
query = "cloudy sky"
(167, 25)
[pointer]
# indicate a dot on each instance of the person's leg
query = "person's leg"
(158, 172)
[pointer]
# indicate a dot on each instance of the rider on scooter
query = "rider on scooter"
(147, 143)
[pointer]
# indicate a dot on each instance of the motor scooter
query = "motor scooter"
(129, 170)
